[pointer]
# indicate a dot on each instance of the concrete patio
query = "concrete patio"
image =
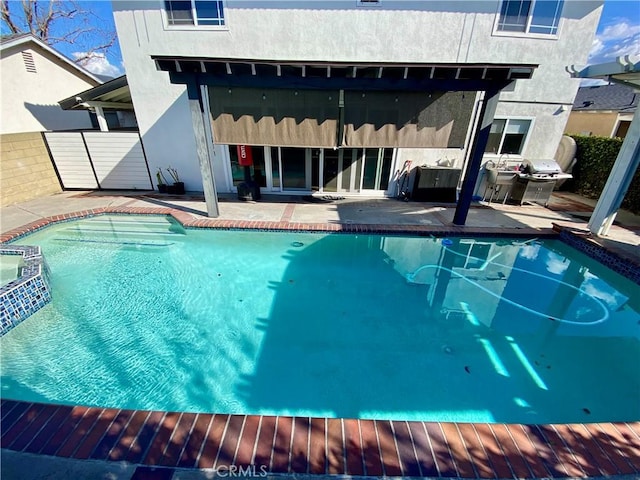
(565, 209)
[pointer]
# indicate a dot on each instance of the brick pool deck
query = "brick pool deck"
(173, 441)
(304, 445)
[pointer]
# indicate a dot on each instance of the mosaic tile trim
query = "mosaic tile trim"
(24, 296)
(627, 267)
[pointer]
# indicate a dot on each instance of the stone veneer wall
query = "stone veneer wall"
(26, 170)
(27, 294)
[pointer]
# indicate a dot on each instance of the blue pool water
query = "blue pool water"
(146, 315)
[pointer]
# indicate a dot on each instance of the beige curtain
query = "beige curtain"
(274, 117)
(407, 119)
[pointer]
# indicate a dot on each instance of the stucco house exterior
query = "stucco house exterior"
(336, 96)
(34, 77)
(603, 110)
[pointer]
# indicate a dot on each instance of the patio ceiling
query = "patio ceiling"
(112, 95)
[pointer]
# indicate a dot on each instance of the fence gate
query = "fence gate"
(111, 160)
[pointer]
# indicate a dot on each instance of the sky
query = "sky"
(618, 34)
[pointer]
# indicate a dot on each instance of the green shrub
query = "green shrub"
(595, 159)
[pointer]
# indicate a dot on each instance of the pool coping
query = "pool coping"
(318, 446)
(321, 446)
(187, 220)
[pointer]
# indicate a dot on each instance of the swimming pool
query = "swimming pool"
(148, 315)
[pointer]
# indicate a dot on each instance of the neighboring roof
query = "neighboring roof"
(24, 39)
(114, 94)
(616, 97)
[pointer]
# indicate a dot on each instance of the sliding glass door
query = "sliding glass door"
(376, 169)
(288, 169)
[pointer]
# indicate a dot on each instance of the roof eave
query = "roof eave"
(75, 101)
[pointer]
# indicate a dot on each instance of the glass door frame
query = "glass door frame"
(379, 164)
(268, 173)
(340, 176)
(356, 182)
(307, 171)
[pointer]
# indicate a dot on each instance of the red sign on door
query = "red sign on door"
(245, 158)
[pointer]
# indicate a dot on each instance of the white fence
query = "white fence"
(112, 160)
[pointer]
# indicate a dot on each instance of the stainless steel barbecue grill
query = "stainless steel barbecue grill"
(536, 181)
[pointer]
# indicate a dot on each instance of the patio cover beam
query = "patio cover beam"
(334, 83)
(112, 105)
(478, 146)
(196, 106)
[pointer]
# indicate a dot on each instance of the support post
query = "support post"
(618, 182)
(102, 120)
(196, 106)
(479, 143)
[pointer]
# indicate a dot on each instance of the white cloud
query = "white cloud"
(530, 252)
(618, 39)
(618, 31)
(556, 264)
(596, 47)
(98, 63)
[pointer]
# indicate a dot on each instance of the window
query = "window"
(195, 12)
(507, 136)
(530, 16)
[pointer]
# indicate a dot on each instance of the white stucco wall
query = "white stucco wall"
(29, 101)
(395, 31)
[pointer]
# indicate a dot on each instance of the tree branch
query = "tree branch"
(27, 8)
(58, 21)
(7, 17)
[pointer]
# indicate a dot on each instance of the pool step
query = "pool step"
(125, 220)
(123, 230)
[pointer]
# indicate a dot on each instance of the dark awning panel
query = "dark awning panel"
(407, 119)
(311, 118)
(251, 116)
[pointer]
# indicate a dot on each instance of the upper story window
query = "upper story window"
(508, 136)
(194, 12)
(530, 16)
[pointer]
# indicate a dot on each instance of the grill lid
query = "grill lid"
(545, 166)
